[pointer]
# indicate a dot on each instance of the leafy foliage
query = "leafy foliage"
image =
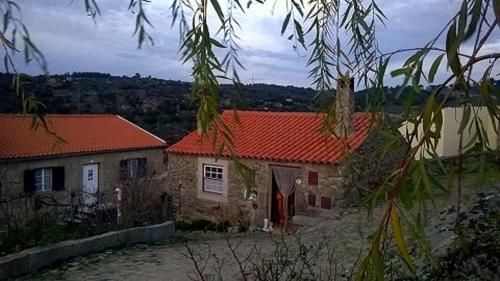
(322, 21)
(470, 255)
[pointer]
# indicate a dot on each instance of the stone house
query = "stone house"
(294, 167)
(78, 157)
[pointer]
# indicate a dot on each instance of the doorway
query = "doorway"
(90, 184)
(278, 204)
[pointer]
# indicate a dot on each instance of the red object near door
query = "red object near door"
(281, 209)
(280, 204)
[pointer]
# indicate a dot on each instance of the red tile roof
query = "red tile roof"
(82, 133)
(280, 136)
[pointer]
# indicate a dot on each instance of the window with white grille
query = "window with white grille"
(212, 179)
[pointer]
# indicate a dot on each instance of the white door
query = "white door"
(90, 183)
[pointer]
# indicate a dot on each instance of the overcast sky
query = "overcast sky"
(72, 41)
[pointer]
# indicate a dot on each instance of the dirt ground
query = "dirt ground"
(342, 235)
(345, 238)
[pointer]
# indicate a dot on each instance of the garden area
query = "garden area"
(41, 219)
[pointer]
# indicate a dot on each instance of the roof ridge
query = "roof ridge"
(261, 112)
(140, 128)
(283, 113)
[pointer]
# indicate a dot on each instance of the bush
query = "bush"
(475, 252)
(41, 219)
(143, 202)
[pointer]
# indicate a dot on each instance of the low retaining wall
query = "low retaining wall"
(36, 258)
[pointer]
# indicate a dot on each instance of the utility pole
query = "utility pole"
(78, 97)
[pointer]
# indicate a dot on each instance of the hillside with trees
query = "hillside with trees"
(165, 107)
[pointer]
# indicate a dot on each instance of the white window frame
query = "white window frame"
(44, 181)
(213, 176)
(208, 195)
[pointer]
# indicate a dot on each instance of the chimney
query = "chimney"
(344, 106)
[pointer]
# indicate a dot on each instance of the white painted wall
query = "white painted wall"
(449, 143)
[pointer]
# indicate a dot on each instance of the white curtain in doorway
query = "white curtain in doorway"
(285, 178)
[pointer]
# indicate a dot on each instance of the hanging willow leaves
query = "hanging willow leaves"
(12, 32)
(299, 32)
(141, 21)
(452, 43)
(400, 241)
(465, 118)
(434, 68)
(218, 10)
(381, 71)
(416, 77)
(399, 72)
(325, 23)
(372, 266)
(496, 7)
(92, 8)
(474, 19)
(285, 22)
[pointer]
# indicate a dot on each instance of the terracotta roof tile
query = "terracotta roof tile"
(280, 136)
(82, 133)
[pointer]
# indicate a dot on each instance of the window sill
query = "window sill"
(213, 193)
(211, 196)
(45, 192)
(42, 193)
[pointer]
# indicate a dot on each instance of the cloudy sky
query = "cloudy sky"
(72, 41)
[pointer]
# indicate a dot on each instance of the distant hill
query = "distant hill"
(165, 107)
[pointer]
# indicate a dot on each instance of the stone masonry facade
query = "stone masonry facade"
(183, 184)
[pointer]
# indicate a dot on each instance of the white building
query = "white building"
(449, 143)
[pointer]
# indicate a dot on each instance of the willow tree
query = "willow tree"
(316, 26)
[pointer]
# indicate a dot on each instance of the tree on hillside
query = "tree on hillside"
(315, 26)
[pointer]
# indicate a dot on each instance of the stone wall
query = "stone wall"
(33, 259)
(182, 185)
